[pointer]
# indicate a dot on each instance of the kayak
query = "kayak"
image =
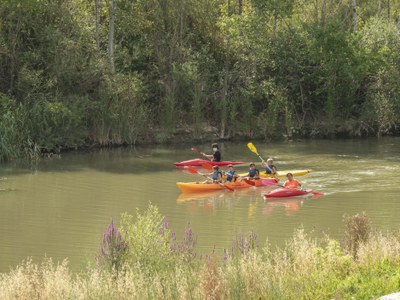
(198, 162)
(281, 173)
(287, 192)
(203, 187)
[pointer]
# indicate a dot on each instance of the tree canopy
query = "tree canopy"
(111, 72)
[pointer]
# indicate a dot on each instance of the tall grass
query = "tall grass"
(158, 266)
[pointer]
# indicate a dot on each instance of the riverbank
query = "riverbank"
(210, 134)
(143, 259)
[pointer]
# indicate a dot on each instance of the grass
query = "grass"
(155, 265)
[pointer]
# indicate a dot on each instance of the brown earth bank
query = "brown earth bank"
(210, 133)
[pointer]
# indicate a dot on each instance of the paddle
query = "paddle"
(201, 152)
(207, 166)
(254, 150)
(193, 170)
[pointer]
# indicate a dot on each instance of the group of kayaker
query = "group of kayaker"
(218, 176)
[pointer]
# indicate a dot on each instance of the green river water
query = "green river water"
(60, 206)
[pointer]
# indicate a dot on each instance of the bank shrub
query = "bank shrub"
(305, 268)
(358, 231)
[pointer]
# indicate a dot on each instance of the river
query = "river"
(59, 207)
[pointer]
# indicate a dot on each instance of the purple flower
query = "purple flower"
(113, 247)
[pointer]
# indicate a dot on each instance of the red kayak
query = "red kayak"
(289, 192)
(197, 162)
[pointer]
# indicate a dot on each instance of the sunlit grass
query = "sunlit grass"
(158, 266)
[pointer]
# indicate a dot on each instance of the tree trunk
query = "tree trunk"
(181, 16)
(224, 98)
(323, 12)
(316, 4)
(388, 9)
(354, 2)
(275, 22)
(111, 37)
(240, 7)
(97, 12)
(13, 61)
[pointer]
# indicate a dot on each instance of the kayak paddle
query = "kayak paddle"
(196, 150)
(199, 151)
(269, 182)
(193, 170)
(316, 194)
(254, 150)
(207, 166)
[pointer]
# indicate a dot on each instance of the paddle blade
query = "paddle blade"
(196, 150)
(207, 166)
(269, 181)
(249, 182)
(252, 148)
(317, 194)
(192, 170)
(229, 187)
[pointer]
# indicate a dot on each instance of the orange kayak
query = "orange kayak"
(203, 187)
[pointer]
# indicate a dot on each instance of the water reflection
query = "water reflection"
(291, 204)
(207, 202)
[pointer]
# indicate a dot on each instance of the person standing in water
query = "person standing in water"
(216, 156)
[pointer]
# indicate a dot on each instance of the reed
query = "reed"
(305, 268)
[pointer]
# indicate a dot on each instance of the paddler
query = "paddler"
(269, 166)
(216, 156)
(216, 175)
(291, 182)
(231, 174)
(253, 172)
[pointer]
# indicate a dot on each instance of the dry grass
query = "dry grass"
(358, 230)
(304, 269)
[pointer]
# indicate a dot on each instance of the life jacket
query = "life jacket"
(269, 168)
(229, 175)
(215, 175)
(253, 172)
(217, 156)
(294, 184)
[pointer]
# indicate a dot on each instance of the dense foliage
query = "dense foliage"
(110, 72)
(144, 260)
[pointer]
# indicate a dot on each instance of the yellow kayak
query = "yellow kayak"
(282, 173)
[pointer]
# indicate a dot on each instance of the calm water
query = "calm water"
(59, 207)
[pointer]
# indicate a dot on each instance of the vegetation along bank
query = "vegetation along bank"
(144, 259)
(82, 73)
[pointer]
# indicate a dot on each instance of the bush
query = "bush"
(156, 266)
(358, 231)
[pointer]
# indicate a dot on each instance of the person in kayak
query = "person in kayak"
(231, 175)
(269, 166)
(291, 182)
(253, 172)
(216, 175)
(216, 156)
